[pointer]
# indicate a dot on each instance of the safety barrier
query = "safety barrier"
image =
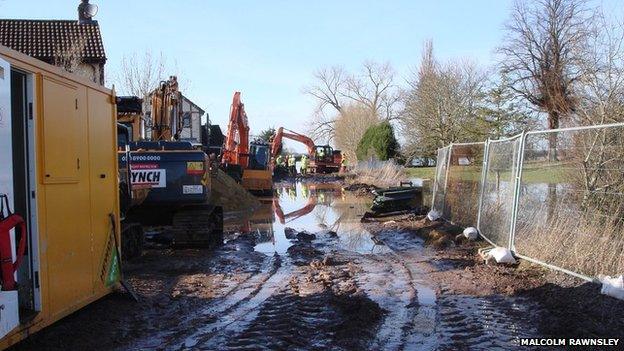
(553, 197)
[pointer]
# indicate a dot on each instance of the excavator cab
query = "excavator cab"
(259, 156)
(323, 153)
(257, 177)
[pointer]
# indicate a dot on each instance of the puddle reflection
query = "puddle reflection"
(315, 208)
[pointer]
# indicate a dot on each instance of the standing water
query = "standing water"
(309, 207)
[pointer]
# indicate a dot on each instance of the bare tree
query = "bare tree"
(601, 87)
(504, 113)
(329, 87)
(351, 125)
(442, 105)
(70, 56)
(601, 100)
(373, 88)
(543, 54)
(140, 75)
(328, 91)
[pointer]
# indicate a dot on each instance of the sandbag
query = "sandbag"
(500, 255)
(471, 233)
(433, 215)
(613, 287)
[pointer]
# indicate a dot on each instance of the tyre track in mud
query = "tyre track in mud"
(208, 313)
(237, 308)
(408, 310)
(312, 313)
(387, 279)
(464, 322)
(483, 323)
(263, 312)
(288, 321)
(391, 288)
(308, 313)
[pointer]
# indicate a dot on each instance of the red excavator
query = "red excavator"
(248, 163)
(323, 158)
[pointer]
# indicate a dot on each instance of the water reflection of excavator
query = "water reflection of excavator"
(317, 194)
(247, 162)
(323, 158)
(291, 216)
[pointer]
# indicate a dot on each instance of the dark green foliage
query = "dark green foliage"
(266, 135)
(378, 141)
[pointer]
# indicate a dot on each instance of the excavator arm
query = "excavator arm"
(166, 115)
(280, 134)
(236, 145)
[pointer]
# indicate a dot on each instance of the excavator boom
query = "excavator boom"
(236, 148)
(255, 175)
(280, 134)
(166, 115)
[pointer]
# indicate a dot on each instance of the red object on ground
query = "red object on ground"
(8, 267)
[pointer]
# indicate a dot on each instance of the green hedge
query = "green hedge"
(378, 141)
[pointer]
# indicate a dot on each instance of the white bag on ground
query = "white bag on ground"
(500, 255)
(433, 215)
(613, 287)
(471, 233)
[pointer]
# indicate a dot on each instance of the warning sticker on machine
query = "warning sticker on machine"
(192, 189)
(195, 168)
(145, 177)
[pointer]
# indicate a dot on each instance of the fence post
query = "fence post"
(448, 167)
(435, 180)
(484, 166)
(516, 197)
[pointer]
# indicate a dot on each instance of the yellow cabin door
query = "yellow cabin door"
(65, 175)
(104, 189)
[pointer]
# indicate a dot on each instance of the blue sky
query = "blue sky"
(269, 49)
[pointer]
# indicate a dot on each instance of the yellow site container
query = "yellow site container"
(58, 166)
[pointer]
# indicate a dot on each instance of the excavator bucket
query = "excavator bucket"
(258, 181)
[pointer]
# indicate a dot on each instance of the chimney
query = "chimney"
(86, 12)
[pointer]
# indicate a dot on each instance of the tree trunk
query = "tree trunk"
(553, 123)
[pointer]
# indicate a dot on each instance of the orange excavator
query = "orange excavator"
(323, 158)
(245, 161)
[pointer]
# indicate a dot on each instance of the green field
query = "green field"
(530, 174)
(421, 172)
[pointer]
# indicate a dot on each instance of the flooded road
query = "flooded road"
(301, 272)
(305, 226)
(307, 208)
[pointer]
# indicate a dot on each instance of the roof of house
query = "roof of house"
(192, 104)
(43, 39)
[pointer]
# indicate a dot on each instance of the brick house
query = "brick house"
(51, 41)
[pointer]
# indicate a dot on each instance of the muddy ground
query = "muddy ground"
(414, 288)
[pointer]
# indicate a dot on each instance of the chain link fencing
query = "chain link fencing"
(463, 184)
(499, 183)
(439, 184)
(553, 197)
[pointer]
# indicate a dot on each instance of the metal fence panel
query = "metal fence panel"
(463, 187)
(571, 200)
(554, 197)
(498, 190)
(439, 189)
